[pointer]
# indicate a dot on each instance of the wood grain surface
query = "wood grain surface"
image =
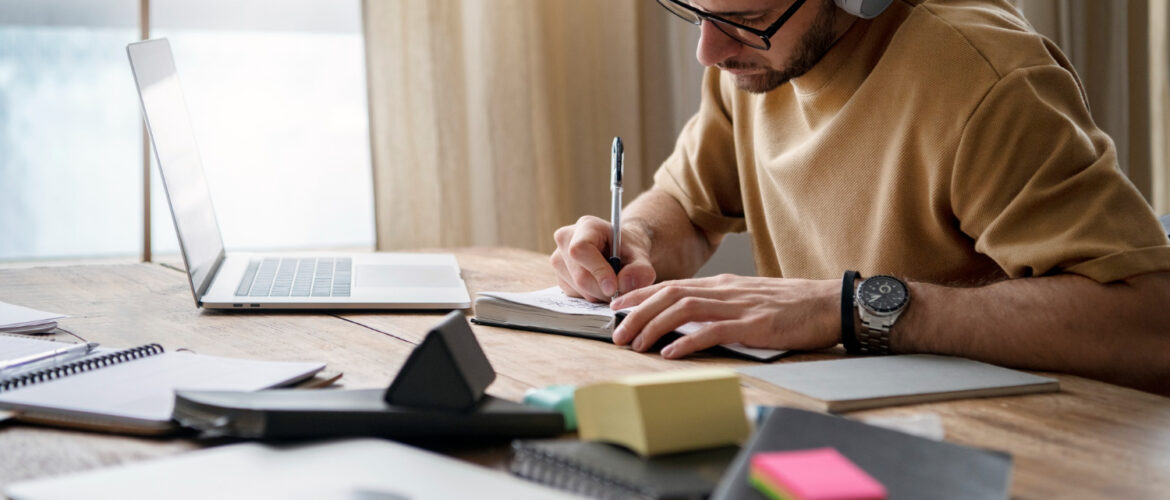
(1090, 440)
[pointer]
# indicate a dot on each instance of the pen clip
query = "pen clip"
(616, 159)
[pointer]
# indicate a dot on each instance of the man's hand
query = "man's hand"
(774, 313)
(581, 266)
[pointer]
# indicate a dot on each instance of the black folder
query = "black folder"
(910, 467)
(437, 395)
(298, 414)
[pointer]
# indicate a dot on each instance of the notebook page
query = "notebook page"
(144, 388)
(554, 299)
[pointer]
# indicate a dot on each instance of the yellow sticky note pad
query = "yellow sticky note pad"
(666, 412)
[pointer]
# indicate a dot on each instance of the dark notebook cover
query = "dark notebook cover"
(601, 470)
(909, 466)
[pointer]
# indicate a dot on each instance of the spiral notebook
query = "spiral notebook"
(601, 470)
(132, 390)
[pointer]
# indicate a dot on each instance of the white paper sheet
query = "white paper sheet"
(20, 319)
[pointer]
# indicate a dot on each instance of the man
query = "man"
(943, 143)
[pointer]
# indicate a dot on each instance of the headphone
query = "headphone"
(865, 9)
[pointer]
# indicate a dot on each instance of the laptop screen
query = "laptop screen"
(165, 111)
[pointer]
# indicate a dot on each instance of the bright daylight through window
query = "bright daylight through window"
(276, 92)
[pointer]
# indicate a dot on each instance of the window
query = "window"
(70, 139)
(276, 92)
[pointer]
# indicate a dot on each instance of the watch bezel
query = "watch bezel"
(882, 311)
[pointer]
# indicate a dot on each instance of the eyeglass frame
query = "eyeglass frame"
(765, 34)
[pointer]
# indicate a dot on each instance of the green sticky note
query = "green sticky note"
(555, 397)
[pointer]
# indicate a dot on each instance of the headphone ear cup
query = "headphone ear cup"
(865, 9)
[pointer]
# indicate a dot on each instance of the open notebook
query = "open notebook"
(551, 311)
(131, 390)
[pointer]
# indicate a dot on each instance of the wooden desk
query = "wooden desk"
(1090, 440)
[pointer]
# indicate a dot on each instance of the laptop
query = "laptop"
(229, 280)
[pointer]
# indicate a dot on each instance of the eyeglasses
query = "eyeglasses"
(752, 37)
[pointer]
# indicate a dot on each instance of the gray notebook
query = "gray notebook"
(859, 383)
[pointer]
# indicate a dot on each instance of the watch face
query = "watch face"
(882, 294)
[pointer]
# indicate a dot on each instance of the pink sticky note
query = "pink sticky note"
(817, 474)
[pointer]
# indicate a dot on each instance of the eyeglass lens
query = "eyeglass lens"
(745, 37)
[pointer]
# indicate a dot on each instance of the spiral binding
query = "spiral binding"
(540, 467)
(80, 366)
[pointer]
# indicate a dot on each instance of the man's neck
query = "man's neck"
(842, 24)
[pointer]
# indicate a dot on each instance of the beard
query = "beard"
(809, 50)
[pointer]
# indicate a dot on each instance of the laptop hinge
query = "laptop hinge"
(202, 288)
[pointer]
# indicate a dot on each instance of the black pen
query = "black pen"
(615, 210)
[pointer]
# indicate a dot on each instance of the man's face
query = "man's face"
(796, 48)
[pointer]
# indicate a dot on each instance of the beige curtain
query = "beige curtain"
(1160, 103)
(491, 121)
(1120, 51)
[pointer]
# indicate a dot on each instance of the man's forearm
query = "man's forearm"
(677, 247)
(1119, 332)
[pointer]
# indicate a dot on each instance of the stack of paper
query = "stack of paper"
(666, 412)
(18, 319)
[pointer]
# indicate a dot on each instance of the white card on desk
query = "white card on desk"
(20, 319)
(363, 468)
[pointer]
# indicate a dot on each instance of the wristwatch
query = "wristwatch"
(880, 300)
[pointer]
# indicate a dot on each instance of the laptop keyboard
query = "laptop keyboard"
(296, 277)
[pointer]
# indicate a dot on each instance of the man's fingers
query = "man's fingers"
(592, 271)
(563, 235)
(635, 275)
(678, 314)
(567, 281)
(709, 336)
(567, 288)
(667, 316)
(633, 297)
(674, 290)
(649, 303)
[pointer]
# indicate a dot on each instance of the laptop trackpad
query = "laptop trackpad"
(392, 276)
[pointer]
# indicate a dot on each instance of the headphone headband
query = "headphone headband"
(865, 9)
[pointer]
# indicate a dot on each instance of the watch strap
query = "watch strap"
(848, 329)
(874, 338)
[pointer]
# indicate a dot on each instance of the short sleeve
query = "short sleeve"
(701, 172)
(1036, 185)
